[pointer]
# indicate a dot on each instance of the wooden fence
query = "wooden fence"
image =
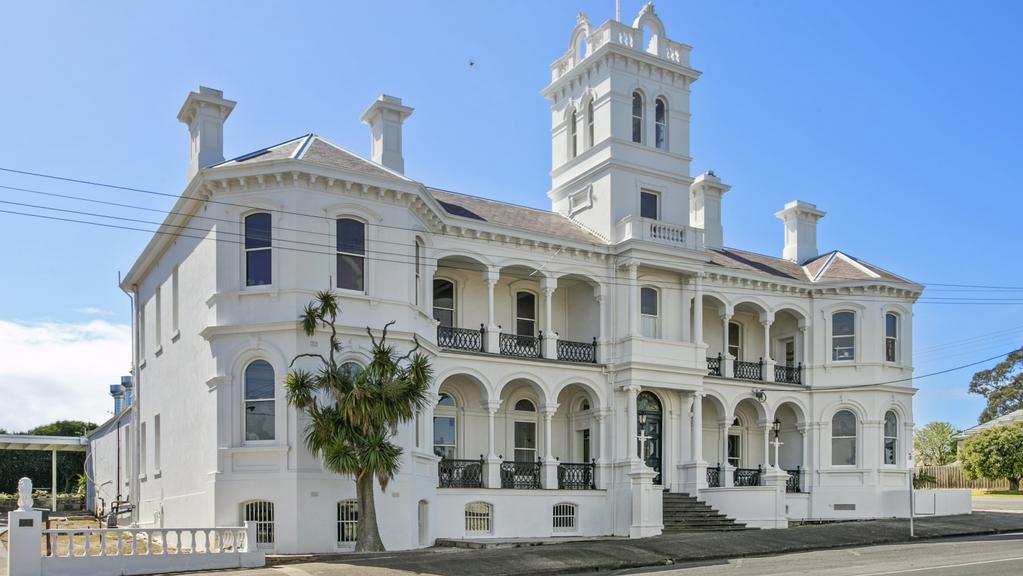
(951, 476)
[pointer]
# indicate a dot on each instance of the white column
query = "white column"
(602, 340)
(550, 343)
(686, 335)
(767, 444)
(631, 426)
(491, 406)
(550, 465)
(769, 362)
(491, 277)
(723, 444)
(601, 419)
(697, 448)
(698, 310)
(727, 366)
(633, 268)
(53, 480)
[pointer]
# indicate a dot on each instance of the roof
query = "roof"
(316, 150)
(1011, 417)
(832, 267)
(513, 216)
(35, 442)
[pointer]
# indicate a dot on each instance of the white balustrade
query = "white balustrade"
(99, 542)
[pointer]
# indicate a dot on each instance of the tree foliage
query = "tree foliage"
(933, 444)
(35, 464)
(353, 413)
(995, 453)
(1001, 385)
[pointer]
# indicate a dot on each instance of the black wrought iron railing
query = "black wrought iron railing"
(577, 351)
(714, 365)
(462, 338)
(747, 476)
(748, 370)
(789, 374)
(792, 484)
(525, 346)
(577, 475)
(460, 473)
(714, 477)
(520, 475)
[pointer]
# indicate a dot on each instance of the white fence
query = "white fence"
(33, 551)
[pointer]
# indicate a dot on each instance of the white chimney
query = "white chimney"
(705, 208)
(385, 118)
(205, 112)
(800, 230)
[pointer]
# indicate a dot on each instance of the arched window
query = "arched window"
(347, 522)
(444, 428)
(259, 401)
(573, 135)
(589, 124)
(258, 251)
(525, 313)
(419, 270)
(891, 337)
(648, 306)
(661, 124)
(735, 340)
(843, 336)
(351, 254)
(843, 438)
(564, 518)
(891, 438)
(637, 117)
(262, 513)
(479, 518)
(584, 405)
(444, 302)
(351, 368)
(525, 405)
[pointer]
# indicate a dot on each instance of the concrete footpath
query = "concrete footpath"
(617, 554)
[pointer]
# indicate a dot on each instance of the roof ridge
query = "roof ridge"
(264, 149)
(349, 152)
(820, 273)
(484, 198)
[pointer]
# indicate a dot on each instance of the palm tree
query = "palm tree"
(353, 412)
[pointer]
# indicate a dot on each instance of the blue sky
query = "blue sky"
(901, 120)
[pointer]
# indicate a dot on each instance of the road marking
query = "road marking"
(978, 563)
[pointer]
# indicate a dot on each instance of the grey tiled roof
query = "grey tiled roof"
(513, 216)
(317, 150)
(838, 269)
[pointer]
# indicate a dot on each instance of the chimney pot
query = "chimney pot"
(800, 230)
(385, 118)
(705, 208)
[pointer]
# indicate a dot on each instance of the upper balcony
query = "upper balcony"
(675, 235)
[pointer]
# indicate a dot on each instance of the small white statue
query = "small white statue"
(24, 494)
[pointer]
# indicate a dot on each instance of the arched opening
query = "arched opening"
(748, 434)
(637, 117)
(661, 124)
(424, 523)
(573, 134)
(650, 424)
(261, 512)
(347, 522)
(787, 345)
(479, 518)
(574, 429)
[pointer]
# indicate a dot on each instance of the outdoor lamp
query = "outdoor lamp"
(776, 426)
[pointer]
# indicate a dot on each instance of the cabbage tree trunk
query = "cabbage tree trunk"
(369, 533)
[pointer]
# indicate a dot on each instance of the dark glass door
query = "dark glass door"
(651, 425)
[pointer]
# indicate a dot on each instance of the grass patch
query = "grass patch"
(1001, 493)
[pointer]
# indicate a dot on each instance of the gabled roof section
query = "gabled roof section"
(753, 262)
(831, 268)
(317, 150)
(513, 216)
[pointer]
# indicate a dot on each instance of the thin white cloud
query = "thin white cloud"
(56, 371)
(93, 311)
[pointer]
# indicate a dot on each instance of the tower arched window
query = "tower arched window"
(589, 124)
(259, 401)
(661, 124)
(891, 337)
(843, 438)
(637, 117)
(573, 134)
(258, 254)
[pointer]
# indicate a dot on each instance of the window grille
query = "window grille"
(479, 518)
(262, 513)
(564, 518)
(347, 521)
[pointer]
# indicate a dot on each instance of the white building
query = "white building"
(555, 336)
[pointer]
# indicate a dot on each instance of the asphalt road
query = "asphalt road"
(999, 503)
(1001, 554)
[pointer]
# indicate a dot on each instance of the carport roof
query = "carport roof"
(31, 442)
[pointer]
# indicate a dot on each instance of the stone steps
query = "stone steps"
(685, 513)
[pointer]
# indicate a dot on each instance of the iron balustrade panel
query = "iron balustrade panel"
(461, 338)
(577, 351)
(748, 370)
(460, 473)
(714, 365)
(746, 476)
(576, 476)
(792, 483)
(524, 346)
(789, 374)
(714, 477)
(520, 475)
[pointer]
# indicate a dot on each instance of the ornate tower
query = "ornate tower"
(620, 129)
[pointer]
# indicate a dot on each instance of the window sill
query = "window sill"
(157, 473)
(158, 352)
(176, 336)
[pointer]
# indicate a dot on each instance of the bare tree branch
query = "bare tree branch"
(306, 355)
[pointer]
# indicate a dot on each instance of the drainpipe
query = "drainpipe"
(133, 461)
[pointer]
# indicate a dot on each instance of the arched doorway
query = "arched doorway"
(648, 410)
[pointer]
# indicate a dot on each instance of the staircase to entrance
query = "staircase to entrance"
(684, 513)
